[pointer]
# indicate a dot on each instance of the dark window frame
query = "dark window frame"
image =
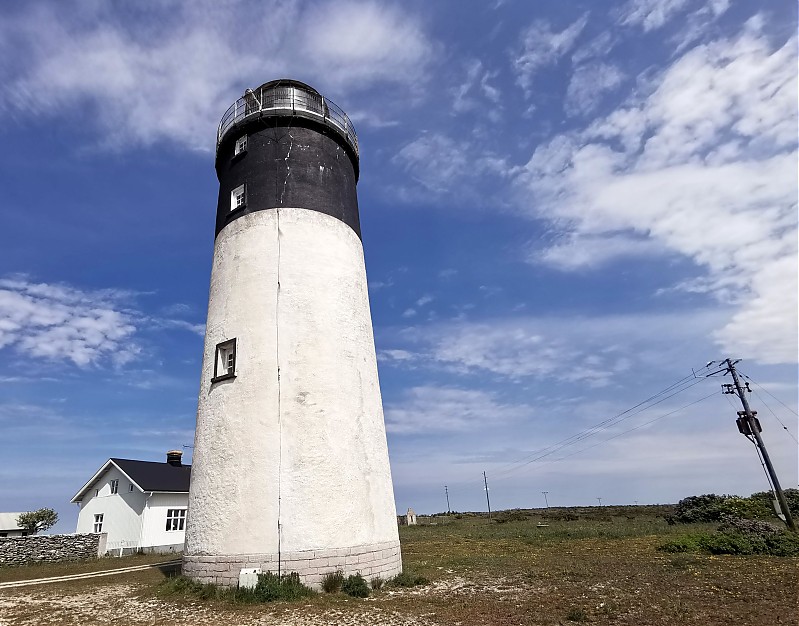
(228, 347)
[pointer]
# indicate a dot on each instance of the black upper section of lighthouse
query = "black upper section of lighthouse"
(284, 145)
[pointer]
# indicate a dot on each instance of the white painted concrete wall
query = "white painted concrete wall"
(311, 449)
(121, 511)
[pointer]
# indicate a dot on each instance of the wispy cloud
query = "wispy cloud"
(541, 45)
(172, 72)
(588, 84)
(448, 409)
(58, 322)
(711, 148)
(650, 14)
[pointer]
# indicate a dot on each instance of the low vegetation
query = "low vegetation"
(607, 565)
(355, 586)
(270, 588)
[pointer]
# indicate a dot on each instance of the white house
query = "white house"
(140, 504)
(9, 526)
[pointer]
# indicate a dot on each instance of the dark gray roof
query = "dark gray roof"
(152, 476)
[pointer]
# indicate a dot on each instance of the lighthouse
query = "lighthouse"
(290, 471)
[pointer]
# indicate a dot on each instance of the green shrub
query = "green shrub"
(355, 586)
(272, 587)
(331, 583)
(686, 543)
(783, 544)
(377, 583)
(726, 543)
(407, 579)
(704, 508)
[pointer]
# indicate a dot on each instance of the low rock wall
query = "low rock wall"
(51, 548)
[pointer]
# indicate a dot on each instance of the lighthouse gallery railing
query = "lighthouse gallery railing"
(288, 98)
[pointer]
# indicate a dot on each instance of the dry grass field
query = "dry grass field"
(601, 568)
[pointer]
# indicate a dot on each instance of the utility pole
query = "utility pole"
(600, 501)
(488, 502)
(546, 501)
(749, 426)
(446, 492)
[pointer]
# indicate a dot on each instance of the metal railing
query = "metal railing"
(288, 98)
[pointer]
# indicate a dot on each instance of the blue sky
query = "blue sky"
(566, 206)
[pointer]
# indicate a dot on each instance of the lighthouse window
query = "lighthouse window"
(237, 198)
(225, 361)
(241, 146)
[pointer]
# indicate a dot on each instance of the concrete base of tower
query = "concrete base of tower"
(382, 560)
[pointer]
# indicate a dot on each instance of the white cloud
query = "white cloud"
(55, 322)
(703, 165)
(446, 409)
(587, 85)
(172, 72)
(650, 14)
(447, 167)
(579, 251)
(594, 351)
(542, 46)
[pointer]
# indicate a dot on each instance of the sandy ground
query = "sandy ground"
(120, 604)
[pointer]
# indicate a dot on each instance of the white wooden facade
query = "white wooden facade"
(134, 518)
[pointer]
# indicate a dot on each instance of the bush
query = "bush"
(704, 508)
(355, 586)
(377, 583)
(780, 543)
(331, 583)
(407, 579)
(272, 587)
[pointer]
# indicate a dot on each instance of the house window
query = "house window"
(98, 522)
(130, 487)
(114, 486)
(237, 198)
(241, 146)
(96, 492)
(225, 361)
(175, 519)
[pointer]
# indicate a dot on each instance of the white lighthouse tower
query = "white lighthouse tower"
(290, 469)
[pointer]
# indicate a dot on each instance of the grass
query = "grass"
(591, 565)
(46, 570)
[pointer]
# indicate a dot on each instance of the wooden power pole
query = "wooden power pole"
(749, 425)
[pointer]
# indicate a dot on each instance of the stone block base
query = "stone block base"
(372, 560)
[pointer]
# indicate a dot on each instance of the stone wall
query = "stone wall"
(382, 559)
(51, 548)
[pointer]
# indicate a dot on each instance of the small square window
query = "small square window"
(175, 519)
(114, 486)
(237, 198)
(225, 360)
(98, 522)
(130, 487)
(241, 146)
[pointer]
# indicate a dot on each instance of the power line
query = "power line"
(771, 394)
(545, 452)
(652, 421)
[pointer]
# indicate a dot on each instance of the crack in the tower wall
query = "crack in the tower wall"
(288, 167)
